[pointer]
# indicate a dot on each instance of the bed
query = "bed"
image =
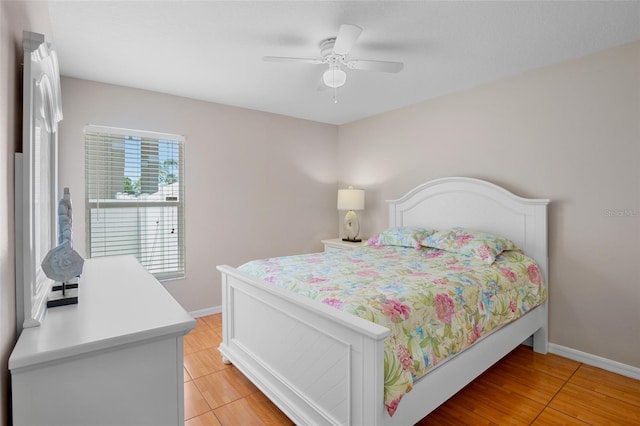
(267, 329)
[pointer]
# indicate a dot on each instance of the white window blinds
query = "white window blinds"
(135, 197)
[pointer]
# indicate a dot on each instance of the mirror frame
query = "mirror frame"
(36, 175)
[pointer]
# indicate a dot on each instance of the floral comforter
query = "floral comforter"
(435, 302)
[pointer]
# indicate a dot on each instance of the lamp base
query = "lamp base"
(355, 240)
(351, 227)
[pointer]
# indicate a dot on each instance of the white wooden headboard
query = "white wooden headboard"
(476, 204)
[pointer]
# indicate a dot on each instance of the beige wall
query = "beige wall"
(258, 184)
(569, 132)
(14, 18)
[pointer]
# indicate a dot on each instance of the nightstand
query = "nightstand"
(338, 244)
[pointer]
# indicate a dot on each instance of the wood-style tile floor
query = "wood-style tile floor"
(524, 388)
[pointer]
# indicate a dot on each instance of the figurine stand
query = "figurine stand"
(65, 293)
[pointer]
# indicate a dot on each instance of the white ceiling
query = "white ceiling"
(212, 50)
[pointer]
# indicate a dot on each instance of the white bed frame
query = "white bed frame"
(323, 366)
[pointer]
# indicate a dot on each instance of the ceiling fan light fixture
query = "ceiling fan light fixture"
(334, 77)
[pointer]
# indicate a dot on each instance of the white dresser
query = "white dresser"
(115, 358)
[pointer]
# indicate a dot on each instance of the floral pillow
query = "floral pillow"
(404, 236)
(472, 243)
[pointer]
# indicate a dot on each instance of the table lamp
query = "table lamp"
(350, 200)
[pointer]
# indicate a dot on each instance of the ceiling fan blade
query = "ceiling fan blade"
(347, 36)
(382, 66)
(287, 59)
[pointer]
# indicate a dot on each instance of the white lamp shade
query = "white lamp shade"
(351, 199)
(334, 77)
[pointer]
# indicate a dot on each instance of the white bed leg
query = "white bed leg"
(541, 341)
(541, 336)
(225, 360)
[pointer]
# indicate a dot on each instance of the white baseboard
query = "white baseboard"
(595, 361)
(207, 311)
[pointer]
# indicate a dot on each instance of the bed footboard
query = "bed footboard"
(317, 364)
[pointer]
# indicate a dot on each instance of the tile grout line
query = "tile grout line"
(595, 390)
(213, 410)
(556, 394)
(205, 401)
(196, 385)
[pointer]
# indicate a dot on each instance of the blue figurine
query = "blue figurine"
(63, 263)
(65, 218)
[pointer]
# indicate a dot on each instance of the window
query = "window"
(135, 197)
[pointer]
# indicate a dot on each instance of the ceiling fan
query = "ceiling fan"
(334, 52)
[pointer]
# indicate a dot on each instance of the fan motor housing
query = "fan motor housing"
(326, 47)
